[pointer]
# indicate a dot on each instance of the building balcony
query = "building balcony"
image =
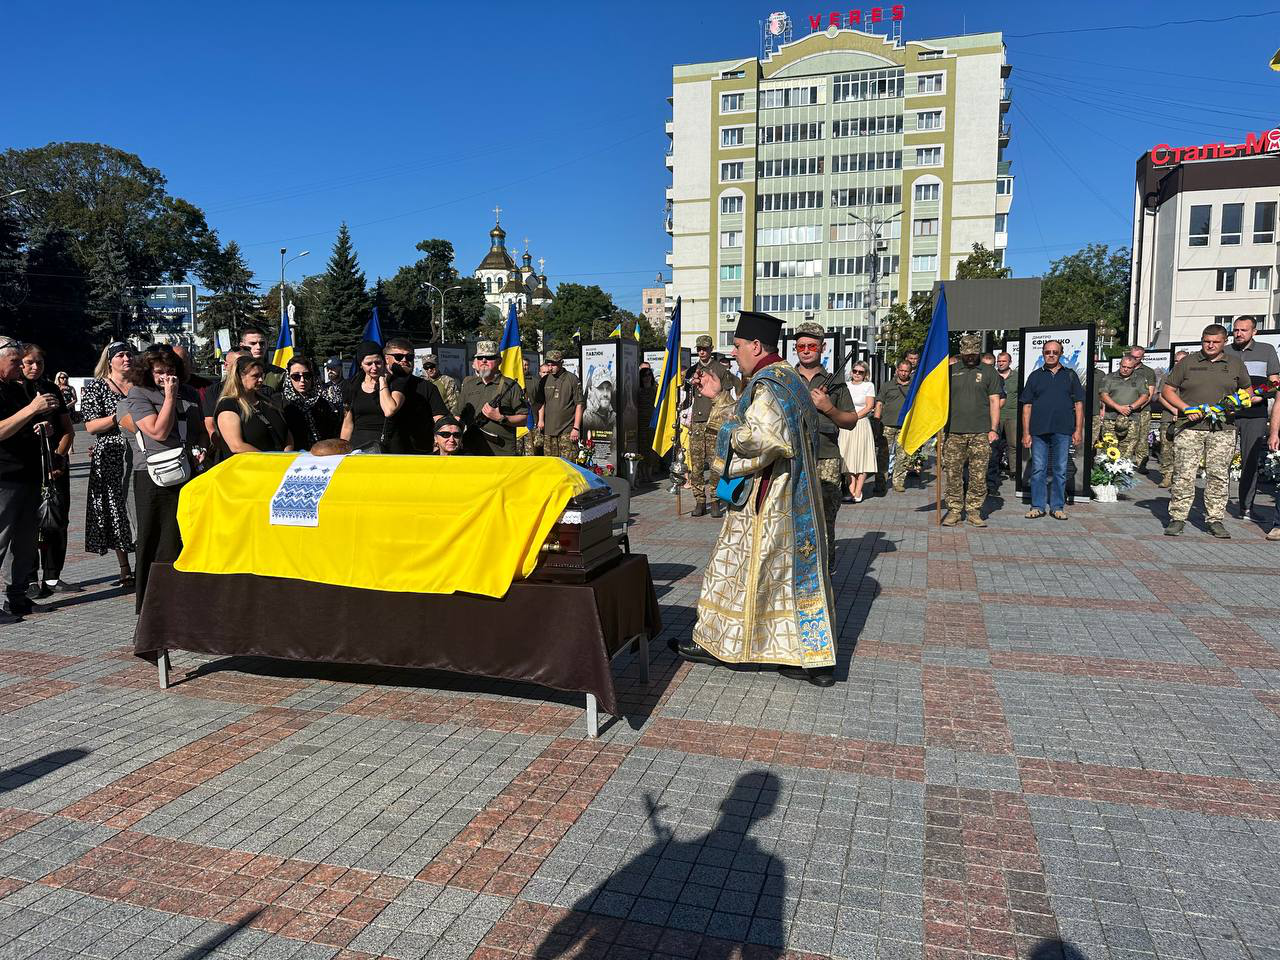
(1006, 132)
(671, 258)
(1005, 70)
(1006, 98)
(670, 159)
(670, 127)
(1004, 168)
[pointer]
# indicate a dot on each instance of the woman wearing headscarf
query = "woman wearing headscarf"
(370, 402)
(307, 411)
(106, 525)
(247, 421)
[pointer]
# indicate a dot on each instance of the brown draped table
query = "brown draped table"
(558, 635)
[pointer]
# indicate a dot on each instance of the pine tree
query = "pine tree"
(343, 306)
(387, 318)
(12, 276)
(232, 300)
(111, 300)
(55, 311)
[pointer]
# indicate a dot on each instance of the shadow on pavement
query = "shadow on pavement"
(207, 946)
(613, 919)
(20, 776)
(1055, 949)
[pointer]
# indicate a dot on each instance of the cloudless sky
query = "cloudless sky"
(412, 120)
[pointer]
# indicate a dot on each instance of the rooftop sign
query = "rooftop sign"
(1163, 155)
(856, 19)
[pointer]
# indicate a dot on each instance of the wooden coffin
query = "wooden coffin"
(582, 543)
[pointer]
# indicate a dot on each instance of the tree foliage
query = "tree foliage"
(982, 264)
(907, 324)
(343, 306)
(1088, 286)
(232, 300)
(587, 310)
(415, 307)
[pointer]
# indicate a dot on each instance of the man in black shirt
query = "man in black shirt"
(253, 341)
(414, 425)
(20, 468)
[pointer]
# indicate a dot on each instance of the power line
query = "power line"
(1077, 83)
(1143, 70)
(1144, 26)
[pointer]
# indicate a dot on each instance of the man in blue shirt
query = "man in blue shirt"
(1052, 420)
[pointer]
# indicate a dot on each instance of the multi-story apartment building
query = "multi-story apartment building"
(1205, 244)
(783, 169)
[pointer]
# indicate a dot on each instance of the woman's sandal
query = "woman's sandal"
(1034, 514)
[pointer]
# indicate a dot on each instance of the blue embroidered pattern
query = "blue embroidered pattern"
(297, 501)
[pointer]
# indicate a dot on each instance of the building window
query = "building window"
(929, 83)
(1232, 223)
(731, 204)
(791, 132)
(799, 200)
(929, 120)
(1227, 280)
(1198, 230)
(778, 236)
(1264, 222)
(785, 302)
(791, 167)
(924, 228)
(842, 232)
(730, 304)
(1004, 186)
(857, 266)
(730, 238)
(928, 156)
(932, 55)
(859, 162)
(732, 171)
(788, 97)
(863, 196)
(867, 85)
(866, 126)
(731, 136)
(927, 263)
(1259, 278)
(769, 269)
(731, 271)
(1002, 223)
(928, 191)
(731, 102)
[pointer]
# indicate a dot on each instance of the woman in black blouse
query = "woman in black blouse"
(248, 423)
(371, 401)
(307, 411)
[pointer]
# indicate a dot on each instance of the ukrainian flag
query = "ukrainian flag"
(617, 331)
(666, 412)
(929, 398)
(1275, 61)
(284, 344)
(512, 355)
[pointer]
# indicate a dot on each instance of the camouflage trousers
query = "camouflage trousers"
(958, 450)
(560, 446)
(898, 455)
(1214, 448)
(832, 480)
(1141, 449)
(1166, 449)
(1130, 441)
(701, 454)
(527, 445)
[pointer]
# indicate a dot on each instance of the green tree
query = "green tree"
(578, 308)
(112, 298)
(13, 287)
(465, 309)
(378, 301)
(232, 300)
(982, 264)
(416, 307)
(1089, 286)
(343, 306)
(907, 324)
(54, 307)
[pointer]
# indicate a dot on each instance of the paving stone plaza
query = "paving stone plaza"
(1049, 740)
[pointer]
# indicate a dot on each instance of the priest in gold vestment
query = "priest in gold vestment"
(766, 593)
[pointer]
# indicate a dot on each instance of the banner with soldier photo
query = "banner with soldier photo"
(1077, 351)
(600, 372)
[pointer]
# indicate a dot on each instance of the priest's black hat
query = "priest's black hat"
(758, 326)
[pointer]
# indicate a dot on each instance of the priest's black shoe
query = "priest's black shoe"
(717, 510)
(818, 676)
(699, 510)
(688, 650)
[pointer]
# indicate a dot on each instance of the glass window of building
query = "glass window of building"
(929, 120)
(867, 85)
(788, 97)
(924, 263)
(928, 156)
(1198, 227)
(731, 136)
(1259, 278)
(1227, 280)
(730, 304)
(1004, 186)
(1232, 223)
(928, 191)
(732, 171)
(1002, 223)
(731, 271)
(1264, 222)
(929, 83)
(731, 238)
(776, 236)
(731, 102)
(731, 204)
(925, 228)
(791, 167)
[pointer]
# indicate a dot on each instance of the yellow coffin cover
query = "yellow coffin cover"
(409, 524)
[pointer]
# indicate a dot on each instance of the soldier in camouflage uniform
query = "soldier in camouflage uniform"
(448, 387)
(701, 438)
(837, 412)
(529, 443)
(1124, 396)
(560, 417)
(971, 429)
(1147, 377)
(889, 403)
(1206, 376)
(1168, 423)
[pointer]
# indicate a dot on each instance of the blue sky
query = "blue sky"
(412, 120)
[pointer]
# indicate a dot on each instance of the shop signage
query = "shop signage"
(1163, 155)
(853, 19)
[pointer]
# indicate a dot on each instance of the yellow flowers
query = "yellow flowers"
(1113, 453)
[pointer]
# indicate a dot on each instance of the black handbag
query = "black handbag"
(51, 512)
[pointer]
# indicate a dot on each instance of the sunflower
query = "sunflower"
(1113, 453)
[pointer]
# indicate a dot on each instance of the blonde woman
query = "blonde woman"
(247, 422)
(106, 524)
(858, 446)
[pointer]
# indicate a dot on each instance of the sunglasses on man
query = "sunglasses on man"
(400, 357)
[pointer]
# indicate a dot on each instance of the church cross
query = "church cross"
(526, 244)
(497, 214)
(542, 263)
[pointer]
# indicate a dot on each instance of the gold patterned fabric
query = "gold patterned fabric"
(749, 611)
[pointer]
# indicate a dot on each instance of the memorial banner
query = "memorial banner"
(1077, 349)
(600, 372)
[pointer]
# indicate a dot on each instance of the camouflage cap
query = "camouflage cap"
(971, 343)
(430, 361)
(555, 356)
(703, 343)
(811, 329)
(487, 348)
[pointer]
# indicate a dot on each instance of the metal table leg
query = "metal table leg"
(642, 651)
(593, 717)
(162, 666)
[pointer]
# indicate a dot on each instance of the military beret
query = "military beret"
(970, 343)
(487, 348)
(810, 329)
(703, 343)
(555, 356)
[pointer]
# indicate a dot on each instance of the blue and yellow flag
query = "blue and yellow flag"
(1275, 61)
(512, 355)
(928, 401)
(284, 344)
(666, 411)
(617, 331)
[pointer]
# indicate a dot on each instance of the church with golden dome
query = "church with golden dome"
(504, 282)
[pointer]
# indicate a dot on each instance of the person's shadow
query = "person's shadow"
(726, 888)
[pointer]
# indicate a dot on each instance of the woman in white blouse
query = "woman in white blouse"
(858, 446)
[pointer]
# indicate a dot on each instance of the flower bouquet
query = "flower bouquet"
(1111, 472)
(587, 458)
(1217, 413)
(1269, 469)
(1234, 473)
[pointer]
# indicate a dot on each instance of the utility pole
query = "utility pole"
(873, 227)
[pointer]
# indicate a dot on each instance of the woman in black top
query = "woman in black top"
(56, 433)
(370, 402)
(247, 423)
(307, 411)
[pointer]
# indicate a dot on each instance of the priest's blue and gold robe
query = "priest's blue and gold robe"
(766, 593)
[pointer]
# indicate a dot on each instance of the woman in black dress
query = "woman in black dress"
(307, 411)
(69, 397)
(106, 525)
(57, 433)
(370, 402)
(247, 423)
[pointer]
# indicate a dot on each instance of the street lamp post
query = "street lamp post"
(283, 264)
(441, 293)
(874, 225)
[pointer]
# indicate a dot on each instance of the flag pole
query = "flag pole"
(937, 478)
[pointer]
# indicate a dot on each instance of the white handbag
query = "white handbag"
(169, 468)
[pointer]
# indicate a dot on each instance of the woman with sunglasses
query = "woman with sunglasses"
(371, 402)
(307, 411)
(449, 437)
(247, 421)
(106, 525)
(63, 382)
(858, 446)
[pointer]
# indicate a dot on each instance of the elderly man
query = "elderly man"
(971, 429)
(445, 384)
(702, 441)
(492, 406)
(1251, 423)
(332, 387)
(1142, 423)
(889, 403)
(836, 410)
(560, 418)
(1052, 420)
(1124, 395)
(20, 477)
(1205, 376)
